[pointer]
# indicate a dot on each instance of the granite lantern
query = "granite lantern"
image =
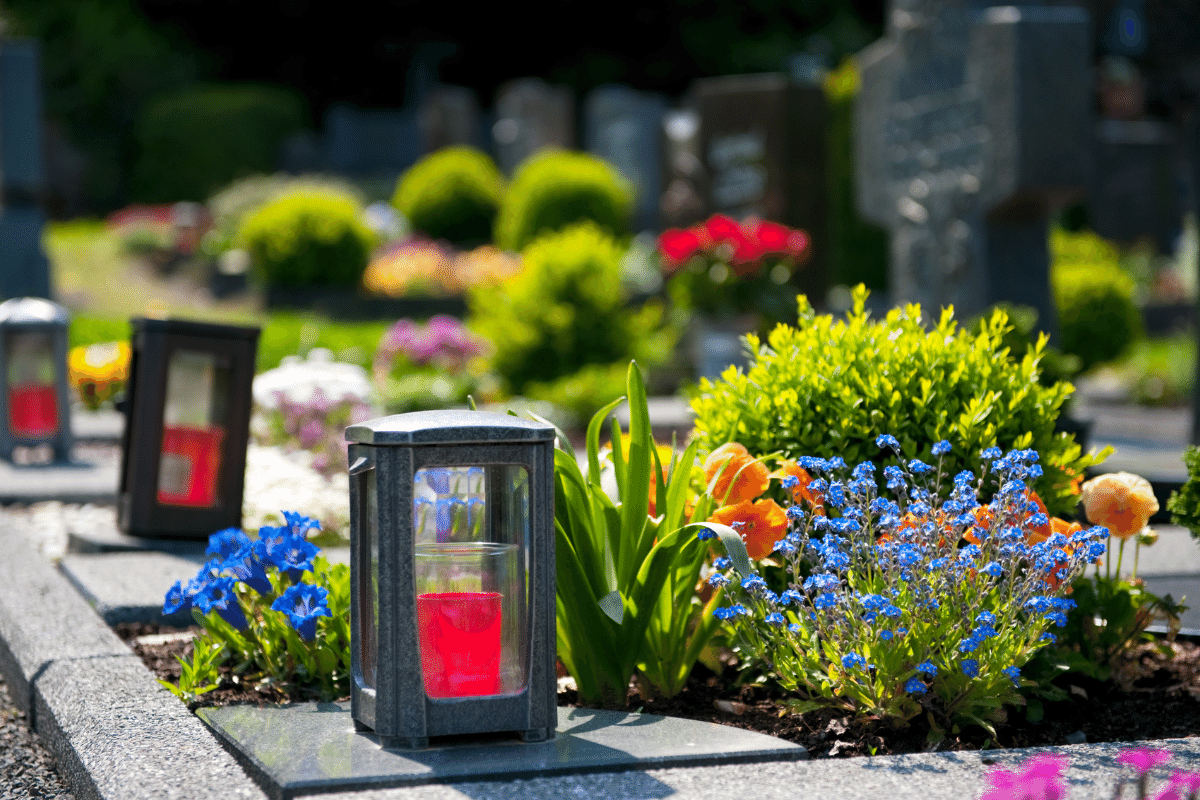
(34, 405)
(188, 423)
(452, 572)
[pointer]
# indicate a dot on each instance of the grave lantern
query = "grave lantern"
(452, 572)
(34, 405)
(187, 426)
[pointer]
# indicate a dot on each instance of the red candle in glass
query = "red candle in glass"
(33, 411)
(191, 459)
(460, 643)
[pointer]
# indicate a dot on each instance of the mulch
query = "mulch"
(1151, 695)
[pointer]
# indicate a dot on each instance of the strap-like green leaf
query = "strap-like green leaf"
(735, 548)
(560, 439)
(635, 493)
(612, 605)
(593, 440)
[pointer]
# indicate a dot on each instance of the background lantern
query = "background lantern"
(188, 406)
(452, 565)
(34, 405)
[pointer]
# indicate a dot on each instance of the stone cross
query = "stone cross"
(973, 127)
(624, 127)
(24, 270)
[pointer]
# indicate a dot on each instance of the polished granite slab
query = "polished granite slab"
(312, 748)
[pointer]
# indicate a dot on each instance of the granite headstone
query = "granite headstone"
(370, 142)
(449, 116)
(531, 115)
(624, 127)
(1134, 194)
(972, 129)
(24, 269)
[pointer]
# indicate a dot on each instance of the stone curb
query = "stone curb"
(115, 733)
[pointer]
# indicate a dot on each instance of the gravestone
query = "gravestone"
(624, 127)
(682, 203)
(449, 116)
(24, 269)
(762, 139)
(1133, 194)
(370, 143)
(973, 127)
(531, 115)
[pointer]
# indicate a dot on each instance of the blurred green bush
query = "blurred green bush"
(195, 140)
(306, 238)
(556, 189)
(453, 194)
(1097, 315)
(566, 310)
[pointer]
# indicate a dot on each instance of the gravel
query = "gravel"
(26, 768)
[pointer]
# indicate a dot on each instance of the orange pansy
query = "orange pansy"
(738, 476)
(763, 524)
(800, 492)
(1120, 501)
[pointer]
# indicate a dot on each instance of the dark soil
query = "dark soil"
(1150, 696)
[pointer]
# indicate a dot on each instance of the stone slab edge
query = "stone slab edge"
(81, 688)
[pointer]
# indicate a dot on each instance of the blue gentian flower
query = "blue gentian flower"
(298, 524)
(218, 595)
(290, 554)
(245, 567)
(176, 600)
(303, 603)
(223, 544)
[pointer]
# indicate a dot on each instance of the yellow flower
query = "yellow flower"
(1120, 501)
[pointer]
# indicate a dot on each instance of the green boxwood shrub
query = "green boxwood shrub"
(1094, 295)
(192, 142)
(565, 310)
(452, 194)
(829, 387)
(306, 238)
(556, 189)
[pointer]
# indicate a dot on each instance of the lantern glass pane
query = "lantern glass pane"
(32, 396)
(194, 422)
(472, 529)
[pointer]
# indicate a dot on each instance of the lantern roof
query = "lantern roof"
(32, 311)
(449, 427)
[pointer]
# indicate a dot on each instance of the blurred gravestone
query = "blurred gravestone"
(1133, 194)
(624, 127)
(370, 143)
(762, 139)
(449, 116)
(531, 115)
(972, 129)
(682, 203)
(24, 269)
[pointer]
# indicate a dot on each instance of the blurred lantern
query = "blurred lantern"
(188, 406)
(34, 409)
(452, 565)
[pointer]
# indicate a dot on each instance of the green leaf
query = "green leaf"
(613, 606)
(735, 548)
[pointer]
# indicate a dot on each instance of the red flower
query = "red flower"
(722, 228)
(678, 246)
(772, 237)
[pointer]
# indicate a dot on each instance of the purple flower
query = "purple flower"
(1041, 779)
(303, 604)
(1143, 759)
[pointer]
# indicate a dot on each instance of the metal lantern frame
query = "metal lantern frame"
(385, 455)
(35, 315)
(153, 343)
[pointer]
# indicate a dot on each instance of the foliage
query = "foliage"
(824, 387)
(565, 310)
(87, 330)
(582, 392)
(452, 194)
(1184, 504)
(627, 581)
(271, 607)
(1097, 315)
(98, 372)
(1055, 366)
(197, 139)
(884, 613)
(725, 269)
(555, 190)
(307, 238)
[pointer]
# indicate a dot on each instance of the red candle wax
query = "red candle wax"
(32, 411)
(460, 643)
(191, 458)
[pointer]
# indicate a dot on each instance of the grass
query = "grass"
(104, 287)
(1157, 372)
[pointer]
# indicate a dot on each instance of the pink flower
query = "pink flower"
(1143, 759)
(1180, 786)
(1041, 779)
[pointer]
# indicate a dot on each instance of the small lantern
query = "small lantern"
(188, 423)
(34, 405)
(452, 566)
